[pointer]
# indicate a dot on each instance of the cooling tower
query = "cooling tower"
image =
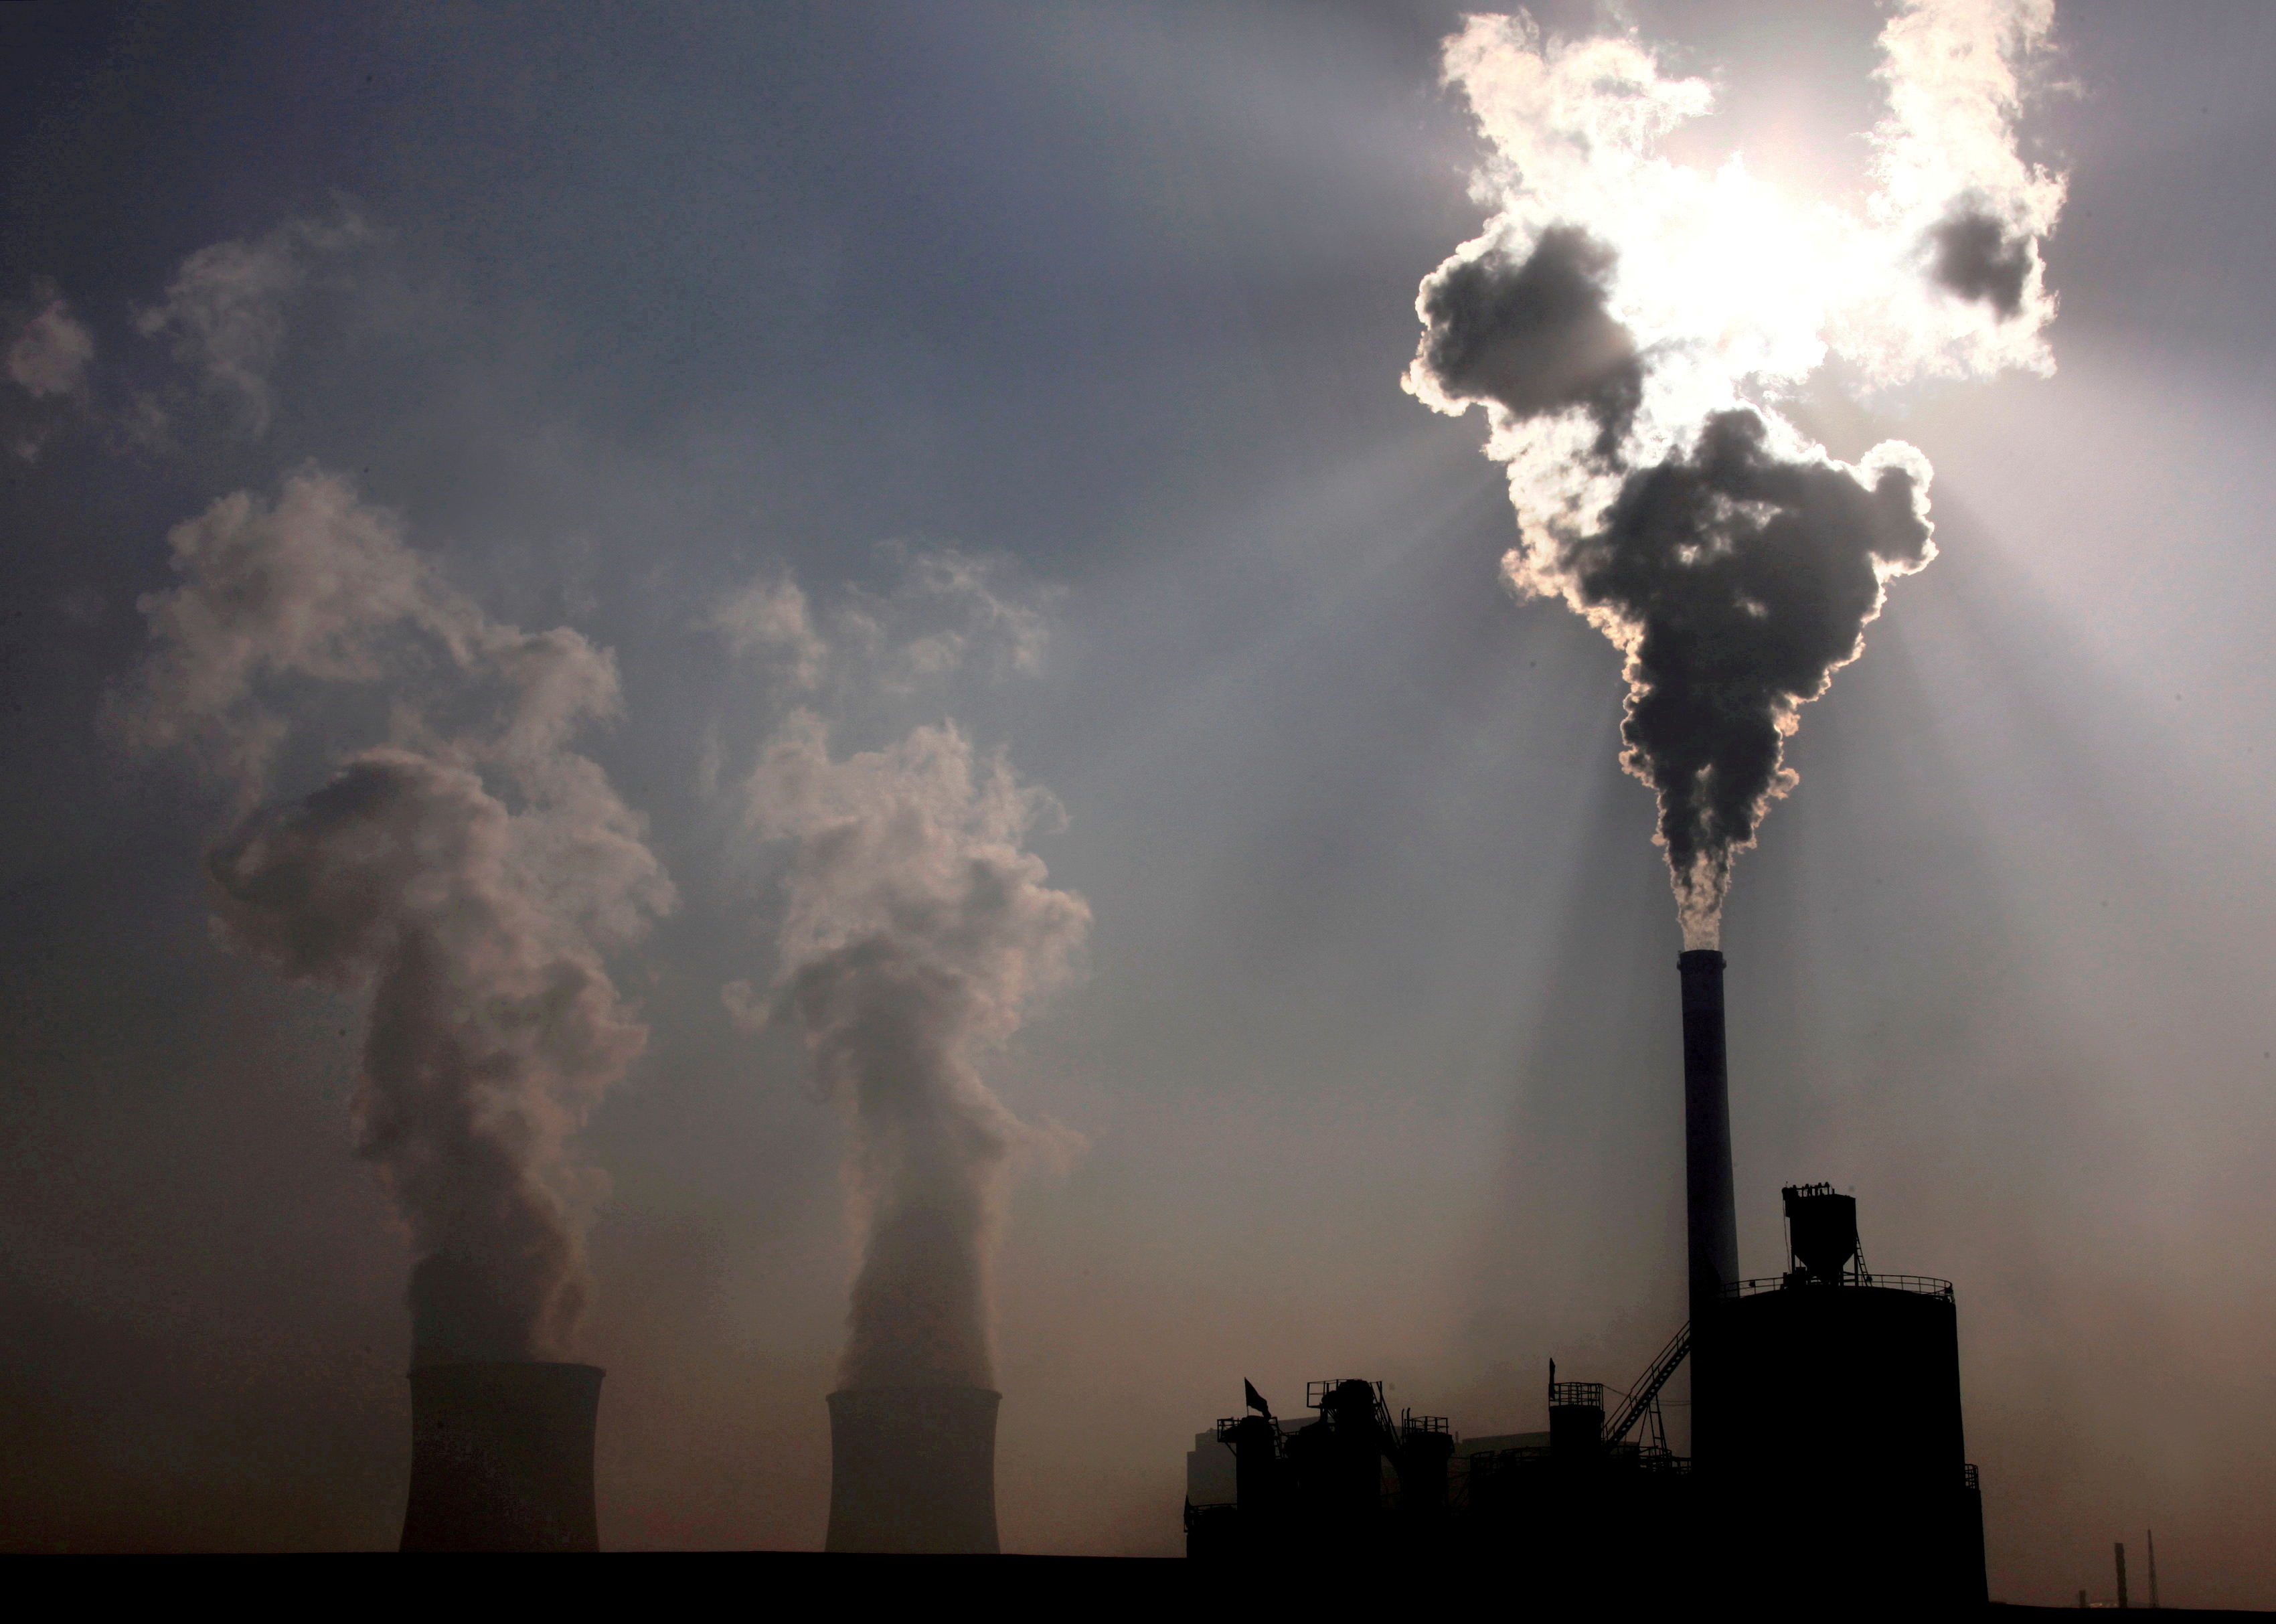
(502, 1457)
(913, 1469)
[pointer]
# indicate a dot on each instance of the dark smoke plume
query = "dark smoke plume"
(1745, 583)
(1628, 323)
(1976, 259)
(1534, 337)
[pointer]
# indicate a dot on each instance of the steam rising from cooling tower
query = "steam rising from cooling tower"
(467, 874)
(1628, 325)
(917, 935)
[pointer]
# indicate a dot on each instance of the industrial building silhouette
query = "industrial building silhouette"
(1826, 1444)
(1827, 1458)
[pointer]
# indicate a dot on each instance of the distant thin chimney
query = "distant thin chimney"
(2120, 1549)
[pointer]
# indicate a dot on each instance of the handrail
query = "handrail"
(1631, 1411)
(1924, 1285)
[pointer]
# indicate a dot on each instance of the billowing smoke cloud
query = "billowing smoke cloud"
(224, 309)
(1535, 338)
(1628, 325)
(917, 935)
(1976, 258)
(476, 927)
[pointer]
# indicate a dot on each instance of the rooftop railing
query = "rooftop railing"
(1924, 1285)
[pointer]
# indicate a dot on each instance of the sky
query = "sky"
(1032, 375)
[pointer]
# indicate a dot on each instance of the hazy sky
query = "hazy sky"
(1370, 1066)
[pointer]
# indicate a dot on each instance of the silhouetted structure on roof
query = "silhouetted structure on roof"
(502, 1457)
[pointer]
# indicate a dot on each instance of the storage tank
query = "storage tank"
(1836, 1439)
(1576, 1425)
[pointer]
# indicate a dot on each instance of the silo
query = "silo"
(1836, 1435)
(502, 1457)
(1576, 1425)
(1425, 1445)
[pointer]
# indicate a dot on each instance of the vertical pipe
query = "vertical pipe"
(1710, 1212)
(2120, 1549)
(2153, 1570)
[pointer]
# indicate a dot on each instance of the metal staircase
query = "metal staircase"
(1621, 1422)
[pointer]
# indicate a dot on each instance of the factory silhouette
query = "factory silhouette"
(1825, 1422)
(1826, 1432)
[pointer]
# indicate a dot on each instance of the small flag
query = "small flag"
(1255, 1399)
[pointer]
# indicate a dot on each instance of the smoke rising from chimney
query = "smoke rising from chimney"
(468, 874)
(1628, 325)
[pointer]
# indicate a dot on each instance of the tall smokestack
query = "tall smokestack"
(912, 1470)
(502, 1457)
(1710, 1212)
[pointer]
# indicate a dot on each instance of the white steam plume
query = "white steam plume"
(918, 934)
(51, 349)
(949, 611)
(224, 309)
(1629, 323)
(476, 926)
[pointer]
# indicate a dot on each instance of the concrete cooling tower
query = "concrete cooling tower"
(913, 1469)
(502, 1458)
